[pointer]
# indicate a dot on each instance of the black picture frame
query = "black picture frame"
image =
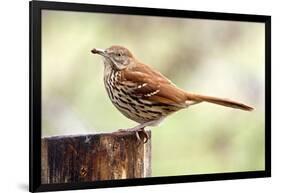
(35, 94)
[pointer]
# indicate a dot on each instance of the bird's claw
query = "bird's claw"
(141, 134)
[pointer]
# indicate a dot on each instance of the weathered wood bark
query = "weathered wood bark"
(103, 156)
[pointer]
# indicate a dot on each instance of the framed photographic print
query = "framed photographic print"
(125, 96)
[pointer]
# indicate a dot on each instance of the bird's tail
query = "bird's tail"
(219, 101)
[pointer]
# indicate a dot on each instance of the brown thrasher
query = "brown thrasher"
(143, 94)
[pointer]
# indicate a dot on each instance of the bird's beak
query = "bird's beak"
(99, 51)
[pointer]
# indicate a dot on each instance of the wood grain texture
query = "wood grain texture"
(104, 156)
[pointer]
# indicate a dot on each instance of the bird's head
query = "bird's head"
(117, 56)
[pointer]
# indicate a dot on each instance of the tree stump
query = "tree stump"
(103, 156)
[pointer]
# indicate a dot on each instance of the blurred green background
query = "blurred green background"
(219, 58)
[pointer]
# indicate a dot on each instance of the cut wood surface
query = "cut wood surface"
(102, 156)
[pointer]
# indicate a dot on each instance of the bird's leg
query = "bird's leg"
(141, 134)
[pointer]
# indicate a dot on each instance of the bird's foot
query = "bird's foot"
(141, 134)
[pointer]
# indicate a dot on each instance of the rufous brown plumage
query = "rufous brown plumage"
(143, 94)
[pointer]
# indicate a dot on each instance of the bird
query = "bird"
(143, 94)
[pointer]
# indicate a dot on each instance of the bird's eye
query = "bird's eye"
(119, 54)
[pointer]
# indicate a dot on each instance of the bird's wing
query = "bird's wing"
(153, 86)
